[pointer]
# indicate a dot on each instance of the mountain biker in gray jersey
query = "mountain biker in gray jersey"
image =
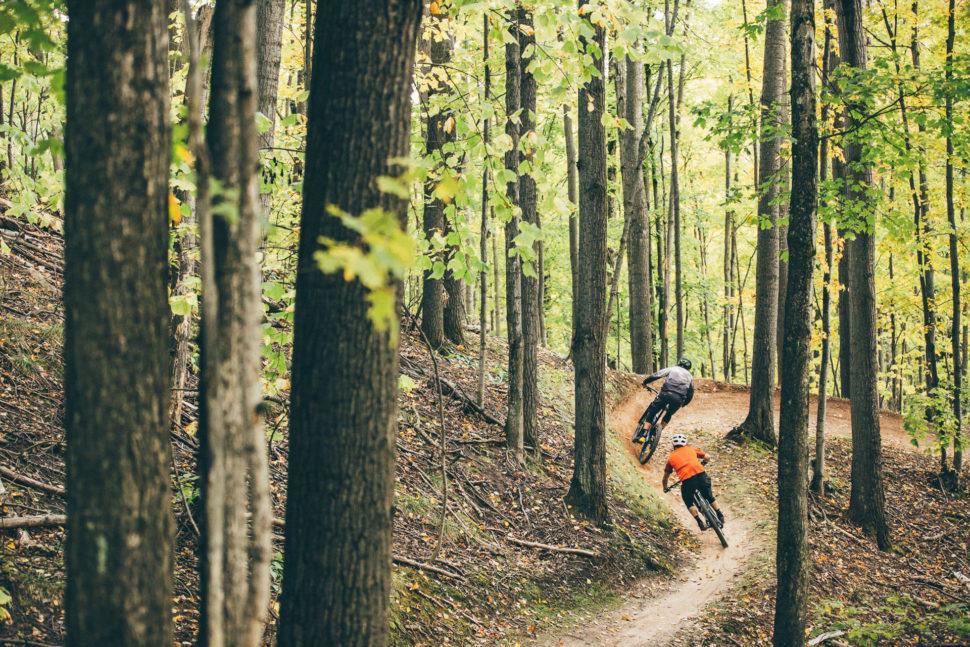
(677, 392)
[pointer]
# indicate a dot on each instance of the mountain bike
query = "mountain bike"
(651, 438)
(710, 516)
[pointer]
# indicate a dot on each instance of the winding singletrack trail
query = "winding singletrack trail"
(655, 610)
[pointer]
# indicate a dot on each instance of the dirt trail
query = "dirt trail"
(655, 611)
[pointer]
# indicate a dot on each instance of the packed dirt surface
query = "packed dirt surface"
(721, 407)
(657, 609)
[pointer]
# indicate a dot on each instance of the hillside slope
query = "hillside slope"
(485, 585)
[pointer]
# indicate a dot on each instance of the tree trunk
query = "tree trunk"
(483, 232)
(435, 322)
(955, 282)
(337, 572)
(635, 210)
(233, 462)
(867, 501)
(818, 464)
(513, 263)
(572, 188)
(726, 310)
(793, 551)
(587, 488)
(116, 376)
(269, 46)
(531, 305)
(674, 217)
(759, 423)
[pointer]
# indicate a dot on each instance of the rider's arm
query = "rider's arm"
(656, 376)
(700, 453)
(690, 394)
(667, 471)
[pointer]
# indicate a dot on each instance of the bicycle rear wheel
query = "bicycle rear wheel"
(712, 521)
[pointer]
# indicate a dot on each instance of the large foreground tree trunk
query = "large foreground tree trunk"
(587, 489)
(233, 462)
(337, 573)
(867, 505)
(116, 376)
(760, 423)
(791, 602)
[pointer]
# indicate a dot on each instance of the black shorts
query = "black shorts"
(672, 401)
(697, 483)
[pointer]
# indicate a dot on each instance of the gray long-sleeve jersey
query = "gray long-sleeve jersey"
(679, 381)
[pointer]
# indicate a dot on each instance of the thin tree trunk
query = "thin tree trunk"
(483, 233)
(759, 423)
(440, 132)
(635, 210)
(587, 488)
(119, 549)
(233, 461)
(955, 326)
(674, 217)
(513, 263)
(269, 46)
(726, 310)
(818, 464)
(531, 304)
(793, 550)
(572, 193)
(337, 572)
(867, 505)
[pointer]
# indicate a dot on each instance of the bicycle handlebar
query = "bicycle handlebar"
(650, 388)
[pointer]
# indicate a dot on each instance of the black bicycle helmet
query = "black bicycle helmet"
(684, 363)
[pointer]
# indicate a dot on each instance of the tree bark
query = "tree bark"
(572, 187)
(337, 572)
(759, 423)
(435, 323)
(483, 232)
(117, 137)
(955, 278)
(531, 305)
(513, 262)
(587, 488)
(635, 210)
(236, 550)
(726, 311)
(793, 550)
(269, 47)
(867, 505)
(818, 464)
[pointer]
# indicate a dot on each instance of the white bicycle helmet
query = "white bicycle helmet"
(679, 440)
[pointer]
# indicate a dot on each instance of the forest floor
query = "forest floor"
(650, 579)
(490, 582)
(916, 594)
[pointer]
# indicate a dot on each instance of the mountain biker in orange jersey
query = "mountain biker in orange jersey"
(677, 392)
(688, 462)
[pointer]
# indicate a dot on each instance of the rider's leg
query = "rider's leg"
(687, 489)
(707, 492)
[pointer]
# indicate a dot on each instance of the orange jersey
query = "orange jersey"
(685, 461)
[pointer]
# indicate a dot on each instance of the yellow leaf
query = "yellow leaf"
(174, 210)
(184, 154)
(435, 9)
(449, 125)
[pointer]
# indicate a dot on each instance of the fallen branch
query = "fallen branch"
(413, 370)
(36, 521)
(404, 561)
(556, 549)
(821, 638)
(10, 475)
